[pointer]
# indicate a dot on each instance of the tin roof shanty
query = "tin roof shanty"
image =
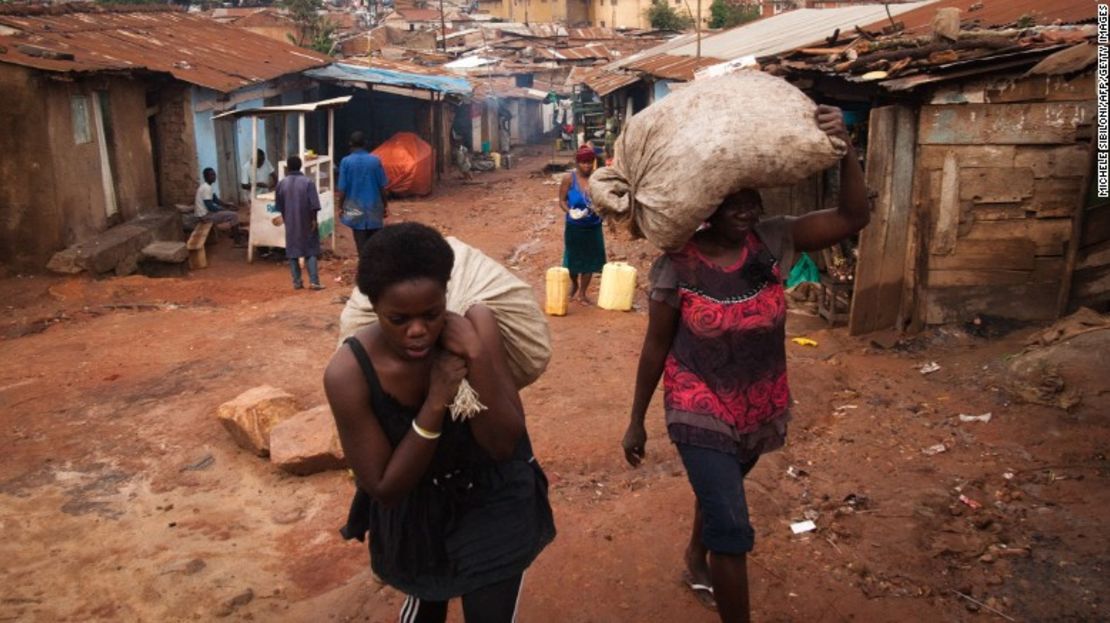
(994, 13)
(903, 62)
(786, 31)
(80, 37)
(668, 67)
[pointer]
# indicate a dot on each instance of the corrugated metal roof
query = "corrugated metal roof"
(991, 13)
(414, 77)
(605, 82)
(80, 37)
(789, 30)
(419, 15)
(585, 53)
(592, 34)
(401, 66)
(671, 67)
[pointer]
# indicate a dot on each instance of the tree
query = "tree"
(663, 17)
(724, 14)
(313, 31)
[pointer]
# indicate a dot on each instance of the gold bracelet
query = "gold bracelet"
(426, 434)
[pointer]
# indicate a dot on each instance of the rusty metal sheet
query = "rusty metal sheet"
(81, 37)
(605, 82)
(681, 68)
(994, 13)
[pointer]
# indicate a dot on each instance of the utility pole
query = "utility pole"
(443, 26)
(698, 27)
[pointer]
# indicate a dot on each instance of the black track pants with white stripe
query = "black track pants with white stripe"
(496, 603)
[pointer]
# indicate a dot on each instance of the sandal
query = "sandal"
(702, 592)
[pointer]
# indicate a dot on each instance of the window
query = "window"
(79, 105)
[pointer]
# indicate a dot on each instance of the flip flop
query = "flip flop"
(702, 592)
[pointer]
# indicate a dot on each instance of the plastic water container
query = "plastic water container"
(496, 159)
(618, 286)
(558, 291)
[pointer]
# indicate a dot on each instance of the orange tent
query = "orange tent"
(408, 163)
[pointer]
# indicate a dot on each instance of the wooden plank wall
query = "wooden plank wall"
(880, 274)
(1091, 281)
(997, 183)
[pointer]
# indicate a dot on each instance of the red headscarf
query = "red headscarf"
(585, 154)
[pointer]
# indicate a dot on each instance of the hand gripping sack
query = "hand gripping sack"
(677, 160)
(476, 278)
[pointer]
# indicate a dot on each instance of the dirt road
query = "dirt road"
(122, 498)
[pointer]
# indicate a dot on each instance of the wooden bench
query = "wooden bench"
(198, 258)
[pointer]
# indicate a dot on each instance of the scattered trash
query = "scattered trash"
(794, 472)
(970, 503)
(856, 502)
(804, 341)
(811, 514)
(935, 450)
(802, 527)
(929, 368)
(983, 605)
(986, 417)
(987, 326)
(845, 407)
(205, 462)
(1008, 475)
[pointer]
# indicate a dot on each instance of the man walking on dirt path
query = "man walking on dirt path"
(298, 203)
(361, 194)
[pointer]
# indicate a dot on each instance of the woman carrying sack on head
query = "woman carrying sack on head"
(716, 335)
(583, 241)
(453, 508)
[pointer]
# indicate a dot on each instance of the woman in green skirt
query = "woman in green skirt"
(583, 241)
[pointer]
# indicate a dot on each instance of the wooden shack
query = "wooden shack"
(979, 161)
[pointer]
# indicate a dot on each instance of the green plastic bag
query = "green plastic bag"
(804, 270)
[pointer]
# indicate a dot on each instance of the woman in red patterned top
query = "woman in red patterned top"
(716, 334)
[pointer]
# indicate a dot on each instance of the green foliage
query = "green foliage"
(724, 14)
(313, 31)
(663, 17)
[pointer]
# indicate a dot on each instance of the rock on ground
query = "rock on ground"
(252, 415)
(307, 443)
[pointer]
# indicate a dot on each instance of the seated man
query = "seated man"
(266, 179)
(208, 207)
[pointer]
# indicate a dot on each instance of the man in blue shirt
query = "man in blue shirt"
(361, 195)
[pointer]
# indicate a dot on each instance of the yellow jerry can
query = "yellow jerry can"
(618, 286)
(558, 291)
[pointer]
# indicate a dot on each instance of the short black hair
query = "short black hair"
(293, 163)
(403, 252)
(358, 139)
(208, 170)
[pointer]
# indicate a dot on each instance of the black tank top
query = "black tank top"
(470, 521)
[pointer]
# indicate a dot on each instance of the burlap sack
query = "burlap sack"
(477, 278)
(677, 160)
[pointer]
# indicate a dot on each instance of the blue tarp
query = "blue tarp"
(372, 75)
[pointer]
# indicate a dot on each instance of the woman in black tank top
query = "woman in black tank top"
(452, 508)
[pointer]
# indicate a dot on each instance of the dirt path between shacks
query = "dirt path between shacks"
(122, 498)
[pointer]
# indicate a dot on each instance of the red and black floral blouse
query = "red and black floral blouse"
(725, 384)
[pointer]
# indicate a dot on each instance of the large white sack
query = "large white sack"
(677, 160)
(477, 278)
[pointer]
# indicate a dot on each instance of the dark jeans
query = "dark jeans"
(718, 481)
(313, 273)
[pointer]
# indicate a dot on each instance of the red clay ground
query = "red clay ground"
(123, 499)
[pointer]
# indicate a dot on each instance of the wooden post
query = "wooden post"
(300, 135)
(879, 279)
(333, 175)
(1076, 234)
